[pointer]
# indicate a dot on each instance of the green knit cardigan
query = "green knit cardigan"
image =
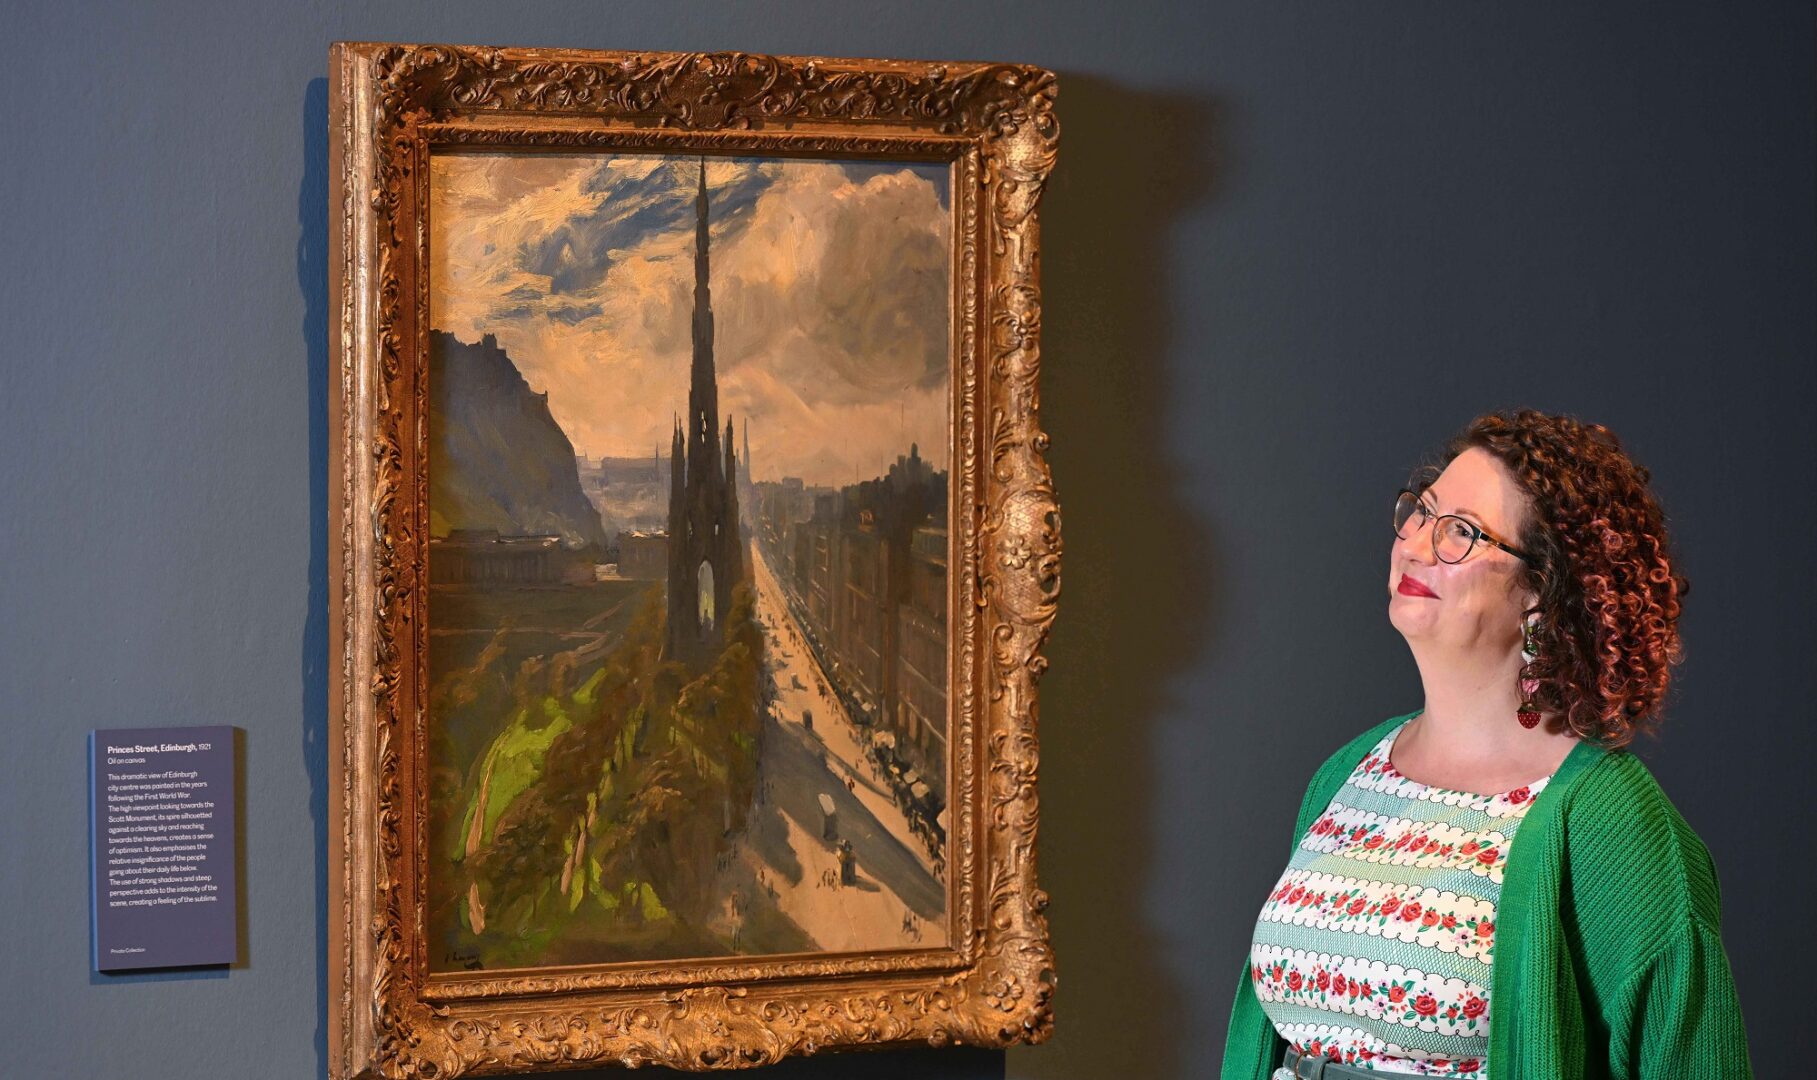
(1608, 952)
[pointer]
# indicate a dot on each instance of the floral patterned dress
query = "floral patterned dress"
(1374, 948)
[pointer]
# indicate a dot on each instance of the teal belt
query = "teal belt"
(1297, 1066)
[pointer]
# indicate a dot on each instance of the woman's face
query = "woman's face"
(1476, 604)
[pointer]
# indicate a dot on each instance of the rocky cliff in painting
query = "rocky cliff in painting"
(497, 458)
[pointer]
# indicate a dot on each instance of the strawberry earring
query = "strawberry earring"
(1529, 650)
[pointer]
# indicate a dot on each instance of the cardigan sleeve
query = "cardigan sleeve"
(1645, 909)
(1678, 1015)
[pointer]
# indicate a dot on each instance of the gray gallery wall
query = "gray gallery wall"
(1289, 247)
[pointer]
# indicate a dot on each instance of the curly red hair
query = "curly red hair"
(1608, 593)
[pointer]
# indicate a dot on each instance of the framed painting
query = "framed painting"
(696, 549)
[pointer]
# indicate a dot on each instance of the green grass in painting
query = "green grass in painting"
(609, 774)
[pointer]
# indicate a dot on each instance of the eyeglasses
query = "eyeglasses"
(1453, 537)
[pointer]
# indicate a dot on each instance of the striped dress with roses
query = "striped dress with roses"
(1374, 948)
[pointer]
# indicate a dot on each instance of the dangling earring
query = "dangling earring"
(1529, 650)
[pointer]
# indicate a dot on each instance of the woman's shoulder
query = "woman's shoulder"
(1642, 915)
(1619, 803)
(1633, 857)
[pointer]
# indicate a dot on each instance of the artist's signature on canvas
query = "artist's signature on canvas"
(465, 960)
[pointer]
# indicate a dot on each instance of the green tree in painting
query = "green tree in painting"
(598, 812)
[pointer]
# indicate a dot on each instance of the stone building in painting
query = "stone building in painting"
(868, 571)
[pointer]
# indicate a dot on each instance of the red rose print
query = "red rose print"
(1484, 929)
(1411, 911)
(1419, 841)
(1397, 993)
(1294, 896)
(1431, 918)
(1450, 922)
(1390, 904)
(1425, 1005)
(1474, 1006)
(1518, 795)
(1373, 842)
(1486, 856)
(1294, 981)
(1313, 1046)
(1469, 1065)
(1324, 980)
(1469, 847)
(1357, 906)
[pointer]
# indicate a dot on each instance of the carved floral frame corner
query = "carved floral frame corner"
(993, 984)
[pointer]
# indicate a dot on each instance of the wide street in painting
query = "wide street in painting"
(782, 850)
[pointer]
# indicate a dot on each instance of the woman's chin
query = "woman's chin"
(1408, 617)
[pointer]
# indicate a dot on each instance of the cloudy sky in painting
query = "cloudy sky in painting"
(830, 292)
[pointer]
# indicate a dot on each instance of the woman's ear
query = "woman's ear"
(1521, 592)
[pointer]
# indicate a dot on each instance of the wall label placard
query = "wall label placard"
(164, 874)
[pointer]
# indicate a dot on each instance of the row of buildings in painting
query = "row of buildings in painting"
(865, 568)
(484, 557)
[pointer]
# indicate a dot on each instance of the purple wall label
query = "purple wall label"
(165, 880)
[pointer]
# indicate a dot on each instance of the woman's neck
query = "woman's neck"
(1467, 737)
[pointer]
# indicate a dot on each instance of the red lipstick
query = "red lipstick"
(1410, 587)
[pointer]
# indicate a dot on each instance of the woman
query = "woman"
(1493, 886)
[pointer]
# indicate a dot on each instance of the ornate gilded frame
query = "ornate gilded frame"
(993, 985)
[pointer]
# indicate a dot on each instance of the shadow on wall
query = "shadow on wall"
(1138, 573)
(312, 282)
(1138, 578)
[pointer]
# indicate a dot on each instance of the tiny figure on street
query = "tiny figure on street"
(848, 864)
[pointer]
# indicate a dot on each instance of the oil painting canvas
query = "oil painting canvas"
(688, 435)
